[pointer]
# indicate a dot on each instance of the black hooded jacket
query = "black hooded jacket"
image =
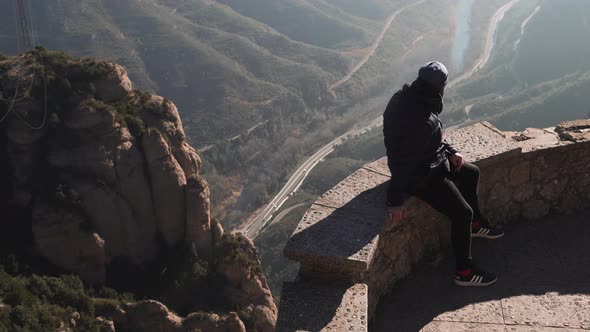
(413, 138)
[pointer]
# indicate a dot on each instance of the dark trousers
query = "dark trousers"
(454, 194)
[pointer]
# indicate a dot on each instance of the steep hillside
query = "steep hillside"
(371, 9)
(98, 180)
(311, 22)
(204, 55)
(255, 81)
(222, 62)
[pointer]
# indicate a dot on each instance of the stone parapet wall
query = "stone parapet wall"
(524, 176)
(546, 174)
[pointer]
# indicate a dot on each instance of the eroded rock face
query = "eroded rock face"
(122, 160)
(198, 223)
(246, 284)
(168, 181)
(67, 243)
(114, 85)
(153, 316)
(213, 323)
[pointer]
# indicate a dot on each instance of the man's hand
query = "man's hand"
(396, 214)
(457, 161)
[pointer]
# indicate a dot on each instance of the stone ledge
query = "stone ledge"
(335, 243)
(352, 193)
(344, 236)
(317, 307)
(337, 236)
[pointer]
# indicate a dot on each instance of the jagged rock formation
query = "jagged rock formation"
(124, 188)
(154, 316)
(109, 176)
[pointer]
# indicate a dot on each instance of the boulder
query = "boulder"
(246, 284)
(161, 114)
(151, 316)
(213, 323)
(105, 325)
(577, 130)
(188, 159)
(217, 230)
(114, 84)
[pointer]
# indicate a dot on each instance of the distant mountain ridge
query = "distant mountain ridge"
(252, 83)
(219, 60)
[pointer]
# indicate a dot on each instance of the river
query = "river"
(462, 33)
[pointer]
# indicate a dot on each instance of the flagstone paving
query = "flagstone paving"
(543, 286)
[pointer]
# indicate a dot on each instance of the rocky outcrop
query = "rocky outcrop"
(213, 323)
(152, 316)
(168, 182)
(198, 222)
(114, 84)
(108, 176)
(120, 155)
(246, 286)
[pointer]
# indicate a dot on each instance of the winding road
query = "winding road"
(265, 216)
(296, 180)
(375, 45)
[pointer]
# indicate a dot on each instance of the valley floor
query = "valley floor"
(543, 286)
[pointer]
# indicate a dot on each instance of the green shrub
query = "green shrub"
(236, 249)
(10, 264)
(189, 270)
(135, 125)
(40, 303)
(108, 293)
(35, 318)
(104, 307)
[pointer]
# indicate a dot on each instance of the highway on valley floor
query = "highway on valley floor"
(266, 215)
(296, 180)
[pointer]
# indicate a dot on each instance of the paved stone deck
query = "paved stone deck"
(312, 307)
(544, 285)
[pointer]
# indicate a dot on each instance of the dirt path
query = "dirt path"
(416, 41)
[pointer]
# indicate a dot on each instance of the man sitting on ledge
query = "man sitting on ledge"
(424, 165)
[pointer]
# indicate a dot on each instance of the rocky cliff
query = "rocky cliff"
(103, 174)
